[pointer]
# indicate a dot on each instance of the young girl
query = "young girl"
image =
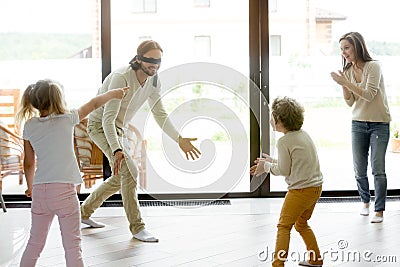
(298, 162)
(49, 137)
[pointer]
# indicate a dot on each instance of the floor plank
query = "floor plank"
(230, 235)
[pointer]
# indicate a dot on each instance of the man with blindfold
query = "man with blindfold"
(106, 127)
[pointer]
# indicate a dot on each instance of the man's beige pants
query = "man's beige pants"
(126, 180)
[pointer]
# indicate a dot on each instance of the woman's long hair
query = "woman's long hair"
(357, 40)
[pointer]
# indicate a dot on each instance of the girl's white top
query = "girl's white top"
(52, 140)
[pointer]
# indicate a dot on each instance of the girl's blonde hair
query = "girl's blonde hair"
(45, 96)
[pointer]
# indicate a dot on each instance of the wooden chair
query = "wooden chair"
(11, 156)
(11, 153)
(9, 99)
(3, 205)
(88, 155)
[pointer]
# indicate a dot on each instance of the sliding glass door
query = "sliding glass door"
(205, 90)
(304, 49)
(47, 39)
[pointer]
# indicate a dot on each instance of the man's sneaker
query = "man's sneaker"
(92, 223)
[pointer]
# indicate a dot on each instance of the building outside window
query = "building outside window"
(202, 3)
(202, 46)
(275, 45)
(144, 6)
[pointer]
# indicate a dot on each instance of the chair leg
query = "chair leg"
(21, 177)
(3, 205)
(78, 189)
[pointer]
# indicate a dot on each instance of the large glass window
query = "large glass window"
(204, 77)
(43, 39)
(204, 86)
(310, 31)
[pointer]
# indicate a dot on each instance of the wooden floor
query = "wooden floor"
(240, 234)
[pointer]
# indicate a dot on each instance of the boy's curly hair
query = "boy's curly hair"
(289, 112)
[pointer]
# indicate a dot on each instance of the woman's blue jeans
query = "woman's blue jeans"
(374, 135)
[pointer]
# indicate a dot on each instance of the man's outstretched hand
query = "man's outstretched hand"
(190, 150)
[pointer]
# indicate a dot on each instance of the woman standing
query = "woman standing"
(364, 90)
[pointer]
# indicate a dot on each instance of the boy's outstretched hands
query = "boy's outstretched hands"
(259, 167)
(267, 157)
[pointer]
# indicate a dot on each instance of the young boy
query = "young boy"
(298, 162)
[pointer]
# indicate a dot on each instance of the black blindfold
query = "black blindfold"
(149, 60)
